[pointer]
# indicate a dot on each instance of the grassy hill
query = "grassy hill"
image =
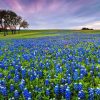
(29, 34)
(43, 33)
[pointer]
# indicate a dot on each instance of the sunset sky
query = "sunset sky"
(56, 14)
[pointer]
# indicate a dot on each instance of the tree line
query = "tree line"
(9, 20)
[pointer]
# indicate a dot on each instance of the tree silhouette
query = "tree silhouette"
(84, 28)
(23, 24)
(2, 15)
(9, 19)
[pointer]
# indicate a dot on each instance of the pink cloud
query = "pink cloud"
(42, 6)
(15, 5)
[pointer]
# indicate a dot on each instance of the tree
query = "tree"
(13, 21)
(3, 21)
(2, 14)
(84, 28)
(23, 24)
(9, 19)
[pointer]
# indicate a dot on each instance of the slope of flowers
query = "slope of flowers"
(65, 67)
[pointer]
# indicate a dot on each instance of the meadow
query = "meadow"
(50, 65)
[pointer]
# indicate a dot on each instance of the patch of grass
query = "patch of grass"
(87, 31)
(43, 33)
(28, 34)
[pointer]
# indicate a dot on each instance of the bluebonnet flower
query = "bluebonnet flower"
(40, 73)
(97, 69)
(58, 68)
(41, 65)
(12, 71)
(68, 94)
(56, 89)
(23, 81)
(87, 61)
(16, 72)
(29, 72)
(76, 75)
(3, 82)
(1, 75)
(63, 61)
(97, 91)
(16, 78)
(36, 88)
(12, 87)
(4, 91)
(66, 87)
(23, 72)
(47, 92)
(32, 77)
(81, 76)
(92, 68)
(81, 94)
(91, 94)
(47, 64)
(99, 61)
(69, 80)
(29, 98)
(78, 86)
(21, 86)
(91, 72)
(47, 82)
(67, 67)
(17, 67)
(62, 89)
(26, 93)
(83, 71)
(63, 81)
(16, 94)
(67, 72)
(9, 76)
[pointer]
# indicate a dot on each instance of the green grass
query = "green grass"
(43, 33)
(87, 31)
(29, 34)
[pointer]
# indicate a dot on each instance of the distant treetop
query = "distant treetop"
(85, 28)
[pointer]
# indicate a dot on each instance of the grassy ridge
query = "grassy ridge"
(29, 34)
(87, 31)
(43, 33)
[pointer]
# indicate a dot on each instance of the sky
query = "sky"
(56, 14)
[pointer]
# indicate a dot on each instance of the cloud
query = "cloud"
(14, 5)
(94, 25)
(55, 13)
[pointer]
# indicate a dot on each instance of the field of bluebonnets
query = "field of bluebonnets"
(65, 67)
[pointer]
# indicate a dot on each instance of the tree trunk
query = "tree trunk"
(15, 30)
(12, 31)
(5, 33)
(19, 30)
